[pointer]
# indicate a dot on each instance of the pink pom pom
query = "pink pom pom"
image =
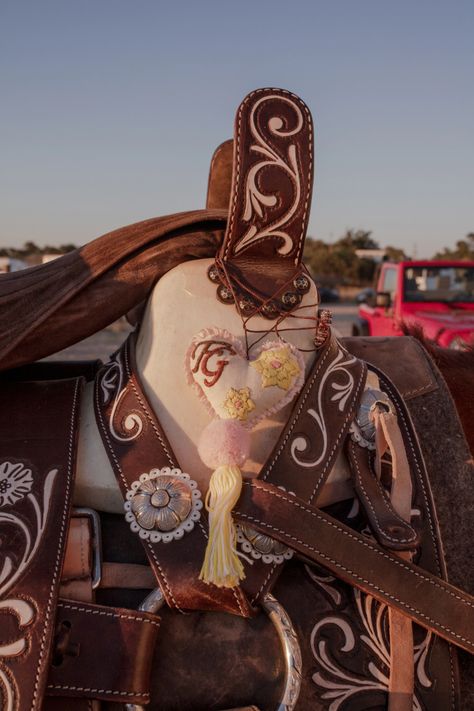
(224, 442)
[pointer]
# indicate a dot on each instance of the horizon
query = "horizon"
(111, 112)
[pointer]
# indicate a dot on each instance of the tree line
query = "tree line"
(338, 263)
(330, 264)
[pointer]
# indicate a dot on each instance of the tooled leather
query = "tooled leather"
(387, 526)
(107, 654)
(37, 435)
(271, 191)
(177, 564)
(426, 599)
(332, 392)
(403, 357)
(313, 437)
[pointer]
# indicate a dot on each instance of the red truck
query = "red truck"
(436, 295)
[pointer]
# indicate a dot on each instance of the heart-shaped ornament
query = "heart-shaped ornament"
(232, 387)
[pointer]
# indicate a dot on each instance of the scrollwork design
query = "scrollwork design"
(340, 685)
(111, 385)
(341, 395)
(11, 570)
(255, 199)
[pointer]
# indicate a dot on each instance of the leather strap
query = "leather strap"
(272, 177)
(428, 600)
(313, 437)
(119, 399)
(388, 527)
(102, 653)
(37, 450)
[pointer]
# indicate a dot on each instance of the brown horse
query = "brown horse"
(457, 368)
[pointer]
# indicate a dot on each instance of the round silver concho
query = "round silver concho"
(262, 547)
(286, 633)
(163, 505)
(363, 428)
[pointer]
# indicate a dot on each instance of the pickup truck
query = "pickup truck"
(436, 295)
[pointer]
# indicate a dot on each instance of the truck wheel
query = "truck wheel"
(360, 328)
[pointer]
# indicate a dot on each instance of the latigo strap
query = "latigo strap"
(356, 559)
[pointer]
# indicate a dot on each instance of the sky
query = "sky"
(110, 111)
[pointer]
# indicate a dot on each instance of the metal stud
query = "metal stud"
(302, 284)
(290, 299)
(225, 294)
(214, 274)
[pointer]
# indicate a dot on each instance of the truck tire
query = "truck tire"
(360, 327)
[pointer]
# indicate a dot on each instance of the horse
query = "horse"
(457, 367)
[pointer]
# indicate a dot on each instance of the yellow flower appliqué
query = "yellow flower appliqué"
(278, 367)
(238, 403)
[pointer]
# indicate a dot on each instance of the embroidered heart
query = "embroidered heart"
(233, 387)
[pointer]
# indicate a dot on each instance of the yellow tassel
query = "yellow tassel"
(222, 566)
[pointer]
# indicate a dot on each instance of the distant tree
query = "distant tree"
(338, 262)
(357, 239)
(395, 254)
(464, 249)
(31, 248)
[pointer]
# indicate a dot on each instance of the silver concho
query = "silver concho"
(261, 546)
(363, 428)
(163, 505)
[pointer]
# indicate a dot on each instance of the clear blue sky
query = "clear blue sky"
(110, 110)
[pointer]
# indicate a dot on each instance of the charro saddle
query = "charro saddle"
(234, 457)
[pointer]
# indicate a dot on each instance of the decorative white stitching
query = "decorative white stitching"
(372, 585)
(418, 390)
(382, 531)
(297, 414)
(341, 433)
(66, 687)
(237, 172)
(125, 483)
(145, 409)
(333, 524)
(400, 412)
(265, 582)
(57, 564)
(104, 613)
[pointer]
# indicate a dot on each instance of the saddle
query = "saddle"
(240, 510)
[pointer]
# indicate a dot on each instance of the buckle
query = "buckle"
(286, 632)
(93, 516)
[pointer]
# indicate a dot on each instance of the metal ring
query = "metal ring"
(286, 632)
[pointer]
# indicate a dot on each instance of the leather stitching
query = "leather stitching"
(426, 499)
(66, 687)
(125, 483)
(104, 613)
(64, 519)
(265, 582)
(131, 377)
(342, 432)
(435, 623)
(367, 544)
(301, 104)
(131, 380)
(386, 502)
(419, 390)
(296, 415)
